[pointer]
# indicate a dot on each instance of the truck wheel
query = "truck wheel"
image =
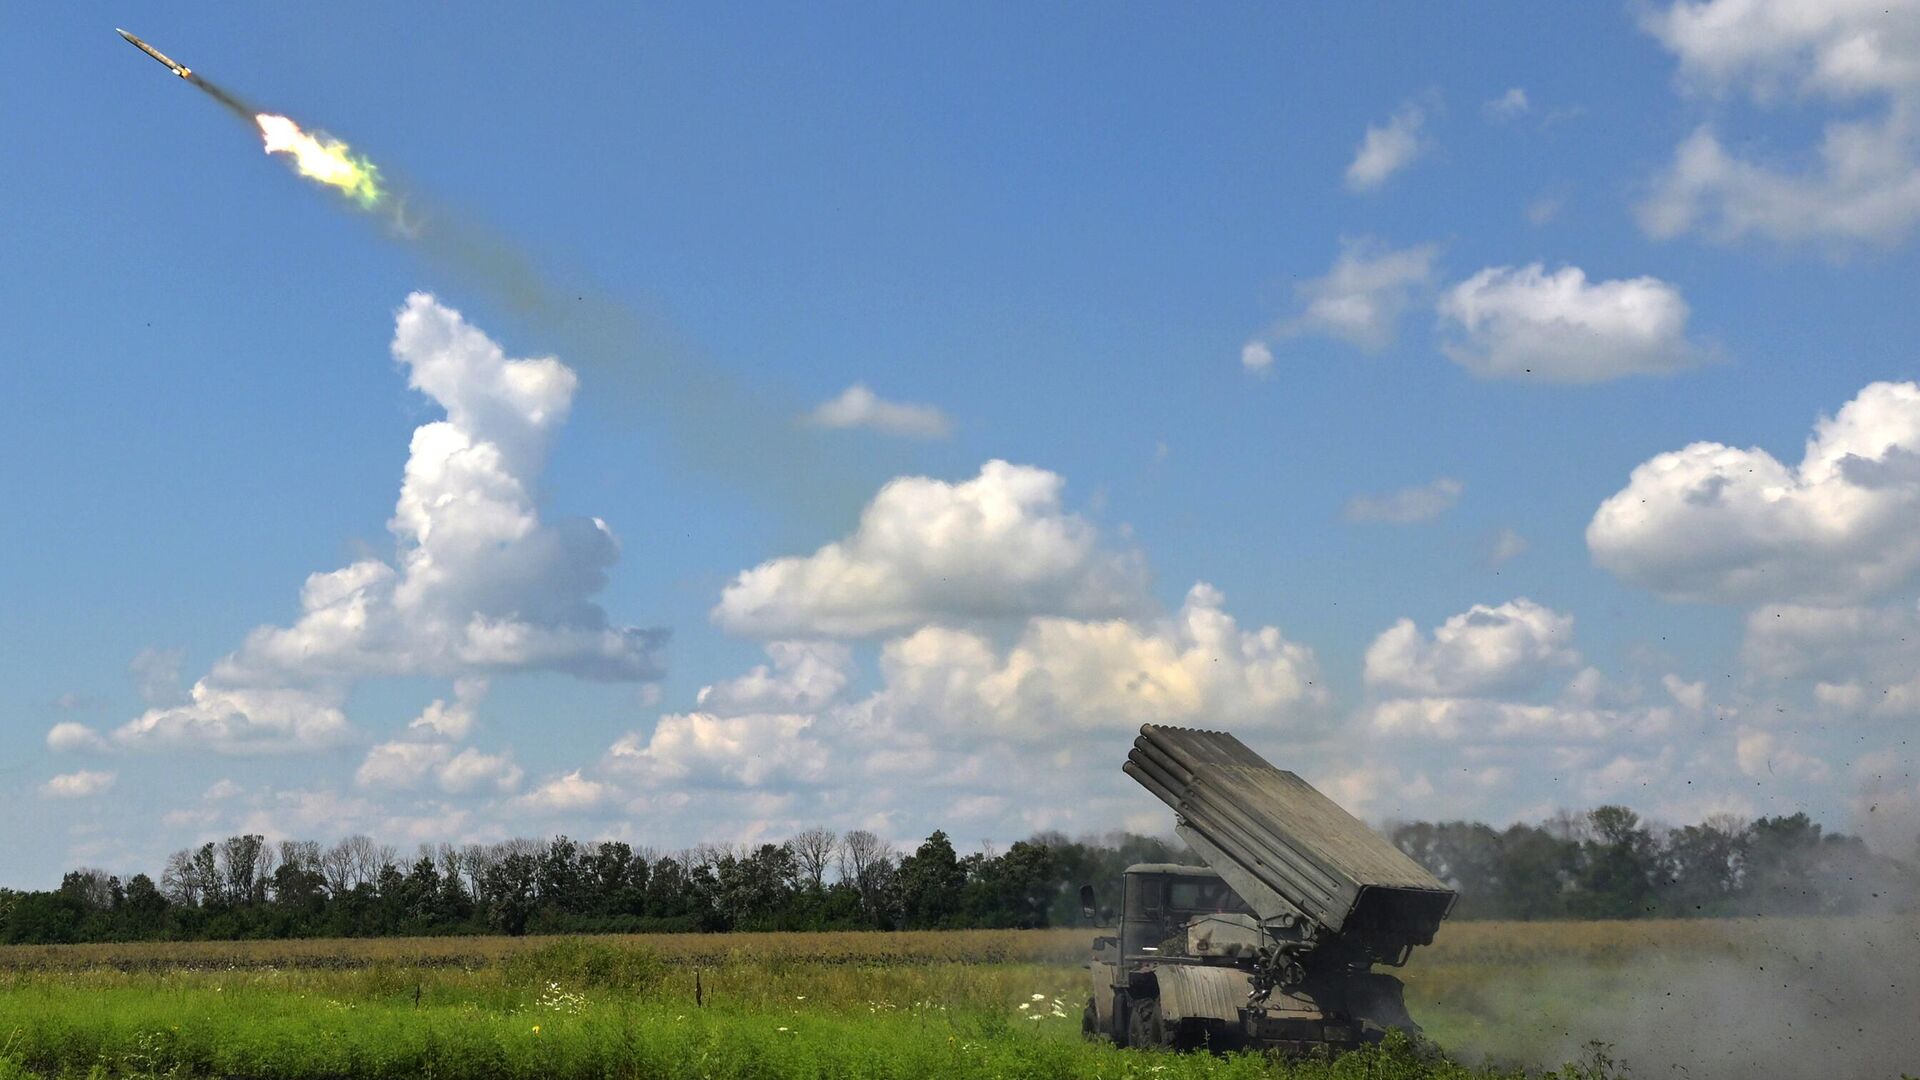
(1121, 1019)
(1090, 1022)
(1144, 1027)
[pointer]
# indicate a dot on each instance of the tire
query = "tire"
(1090, 1022)
(1121, 1019)
(1144, 1026)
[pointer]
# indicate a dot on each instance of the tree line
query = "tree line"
(1610, 864)
(1605, 863)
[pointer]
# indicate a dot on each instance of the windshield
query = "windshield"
(1203, 895)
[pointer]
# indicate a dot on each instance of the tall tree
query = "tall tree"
(815, 850)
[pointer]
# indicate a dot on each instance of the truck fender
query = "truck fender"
(1194, 992)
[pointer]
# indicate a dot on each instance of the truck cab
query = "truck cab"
(1158, 900)
(1169, 914)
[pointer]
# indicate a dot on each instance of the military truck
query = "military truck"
(1272, 943)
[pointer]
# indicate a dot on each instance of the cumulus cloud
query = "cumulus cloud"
(1482, 649)
(996, 546)
(1525, 323)
(69, 737)
(1765, 753)
(245, 720)
(404, 766)
(1836, 49)
(1513, 723)
(480, 584)
(568, 793)
(1003, 724)
(451, 720)
(1363, 298)
(1858, 660)
(1691, 695)
(1865, 190)
(1407, 506)
(859, 407)
(1387, 148)
(1866, 184)
(804, 677)
(1710, 522)
(1067, 675)
(429, 752)
(400, 764)
(472, 771)
(750, 750)
(1485, 694)
(78, 785)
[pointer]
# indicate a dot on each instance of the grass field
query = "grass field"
(965, 1003)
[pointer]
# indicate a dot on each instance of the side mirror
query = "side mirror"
(1088, 903)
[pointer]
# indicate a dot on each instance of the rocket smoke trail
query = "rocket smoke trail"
(327, 160)
(717, 424)
(225, 97)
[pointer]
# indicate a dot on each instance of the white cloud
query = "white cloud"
(68, 737)
(1713, 523)
(1508, 105)
(1505, 546)
(452, 720)
(1066, 675)
(1861, 661)
(805, 676)
(996, 546)
(220, 789)
(747, 750)
(1836, 48)
(1363, 298)
(983, 723)
(429, 753)
(1866, 185)
(1256, 357)
(1387, 148)
(400, 765)
(480, 583)
(1525, 323)
(244, 720)
(1691, 695)
(859, 407)
(471, 771)
(78, 785)
(1762, 753)
(568, 793)
(1407, 506)
(1866, 190)
(1479, 650)
(1495, 721)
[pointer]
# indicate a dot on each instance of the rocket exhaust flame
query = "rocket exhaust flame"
(322, 158)
(316, 156)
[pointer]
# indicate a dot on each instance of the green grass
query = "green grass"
(856, 1005)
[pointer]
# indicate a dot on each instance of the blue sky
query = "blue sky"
(1056, 233)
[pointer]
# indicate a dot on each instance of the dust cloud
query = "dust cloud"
(1815, 997)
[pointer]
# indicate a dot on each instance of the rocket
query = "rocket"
(178, 69)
